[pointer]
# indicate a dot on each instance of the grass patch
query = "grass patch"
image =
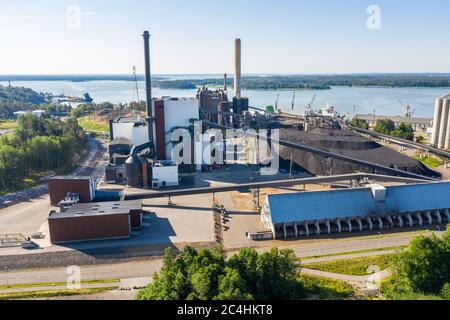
(93, 125)
(8, 125)
(354, 252)
(430, 161)
(354, 267)
(52, 293)
(55, 284)
(392, 291)
(320, 288)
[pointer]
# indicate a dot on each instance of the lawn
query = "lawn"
(392, 291)
(7, 125)
(326, 289)
(54, 284)
(430, 162)
(93, 125)
(396, 248)
(52, 293)
(355, 267)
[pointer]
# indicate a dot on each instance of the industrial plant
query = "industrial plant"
(142, 153)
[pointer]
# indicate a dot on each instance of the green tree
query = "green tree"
(423, 267)
(385, 126)
(360, 124)
(232, 286)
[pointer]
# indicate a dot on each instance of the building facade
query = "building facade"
(349, 210)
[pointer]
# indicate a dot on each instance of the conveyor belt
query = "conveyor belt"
(374, 166)
(269, 184)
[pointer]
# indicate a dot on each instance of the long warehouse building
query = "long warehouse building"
(373, 207)
(95, 221)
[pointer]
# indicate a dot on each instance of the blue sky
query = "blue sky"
(282, 36)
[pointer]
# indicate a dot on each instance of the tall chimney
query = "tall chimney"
(148, 85)
(225, 82)
(237, 68)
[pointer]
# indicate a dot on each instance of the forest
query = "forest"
(38, 145)
(317, 82)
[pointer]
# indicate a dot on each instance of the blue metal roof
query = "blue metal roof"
(312, 206)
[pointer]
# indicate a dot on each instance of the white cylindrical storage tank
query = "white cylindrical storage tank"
(444, 123)
(447, 134)
(437, 122)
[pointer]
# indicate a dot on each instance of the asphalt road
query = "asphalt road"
(140, 269)
(92, 165)
(32, 206)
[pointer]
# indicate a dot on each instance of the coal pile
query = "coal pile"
(349, 144)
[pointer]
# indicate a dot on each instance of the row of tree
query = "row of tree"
(38, 145)
(208, 275)
(318, 82)
(387, 126)
(88, 108)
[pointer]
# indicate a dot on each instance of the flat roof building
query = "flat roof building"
(416, 123)
(60, 186)
(95, 221)
(336, 211)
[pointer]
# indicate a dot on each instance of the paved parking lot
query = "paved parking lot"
(190, 220)
(26, 217)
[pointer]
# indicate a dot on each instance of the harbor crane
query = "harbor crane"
(293, 101)
(310, 105)
(276, 102)
(407, 110)
(137, 86)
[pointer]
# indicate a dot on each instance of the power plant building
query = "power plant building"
(370, 208)
(95, 221)
(441, 123)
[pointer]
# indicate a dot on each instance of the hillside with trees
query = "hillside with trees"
(38, 146)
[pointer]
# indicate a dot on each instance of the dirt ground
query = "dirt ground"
(243, 217)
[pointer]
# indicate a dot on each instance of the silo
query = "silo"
(444, 123)
(447, 134)
(133, 170)
(437, 122)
